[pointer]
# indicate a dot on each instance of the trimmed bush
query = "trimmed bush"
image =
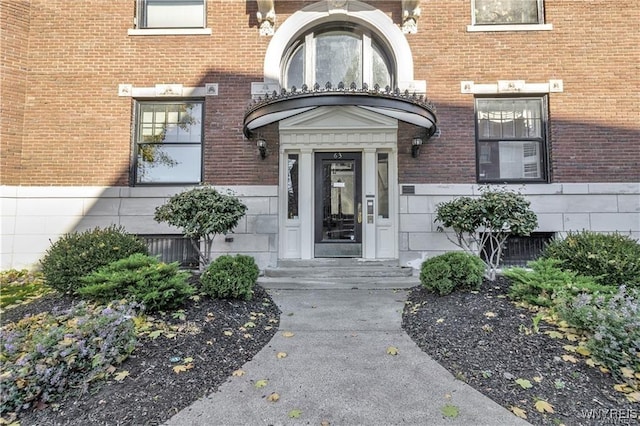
(45, 356)
(78, 254)
(451, 271)
(546, 281)
(156, 285)
(230, 277)
(612, 259)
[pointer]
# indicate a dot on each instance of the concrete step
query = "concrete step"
(339, 272)
(342, 283)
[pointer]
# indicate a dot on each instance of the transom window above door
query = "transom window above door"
(337, 54)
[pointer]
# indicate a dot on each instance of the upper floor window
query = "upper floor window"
(507, 12)
(171, 14)
(511, 140)
(168, 142)
(335, 55)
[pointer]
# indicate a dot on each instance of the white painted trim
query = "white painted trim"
(168, 31)
(176, 90)
(519, 27)
(353, 11)
(511, 86)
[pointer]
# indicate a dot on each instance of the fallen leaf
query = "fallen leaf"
(572, 337)
(281, 355)
(324, 423)
(554, 334)
(392, 350)
(261, 383)
(590, 362)
(187, 360)
(627, 372)
(524, 383)
(250, 324)
(583, 350)
(569, 348)
(209, 342)
(288, 334)
(537, 379)
(121, 376)
(180, 369)
(450, 411)
(228, 333)
(604, 370)
(294, 414)
(519, 412)
(622, 388)
(274, 397)
(569, 358)
(439, 320)
(633, 397)
(155, 334)
(490, 314)
(238, 373)
(543, 406)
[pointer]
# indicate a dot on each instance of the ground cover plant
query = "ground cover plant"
(20, 287)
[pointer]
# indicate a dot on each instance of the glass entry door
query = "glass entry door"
(338, 205)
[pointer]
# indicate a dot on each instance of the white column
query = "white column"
(369, 196)
(306, 203)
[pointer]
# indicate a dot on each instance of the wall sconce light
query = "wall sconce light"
(262, 147)
(416, 143)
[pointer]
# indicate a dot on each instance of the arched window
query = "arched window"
(335, 55)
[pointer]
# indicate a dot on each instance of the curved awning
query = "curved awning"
(411, 108)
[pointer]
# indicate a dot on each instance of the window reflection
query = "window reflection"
(169, 142)
(292, 186)
(383, 185)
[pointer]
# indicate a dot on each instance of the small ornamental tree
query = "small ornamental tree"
(202, 213)
(481, 225)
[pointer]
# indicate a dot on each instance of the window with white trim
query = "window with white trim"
(336, 55)
(511, 139)
(168, 142)
(158, 14)
(507, 12)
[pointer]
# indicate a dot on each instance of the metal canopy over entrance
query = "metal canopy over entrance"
(412, 108)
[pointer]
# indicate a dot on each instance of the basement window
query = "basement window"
(173, 248)
(519, 250)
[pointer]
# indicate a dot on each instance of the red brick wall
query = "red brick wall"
(77, 131)
(14, 39)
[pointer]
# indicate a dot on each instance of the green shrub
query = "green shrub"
(45, 356)
(613, 325)
(230, 277)
(450, 271)
(612, 259)
(156, 285)
(546, 281)
(78, 254)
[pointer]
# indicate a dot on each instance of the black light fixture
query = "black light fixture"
(416, 143)
(262, 147)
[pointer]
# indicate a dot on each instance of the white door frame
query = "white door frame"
(335, 129)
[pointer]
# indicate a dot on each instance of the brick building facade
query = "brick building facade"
(110, 107)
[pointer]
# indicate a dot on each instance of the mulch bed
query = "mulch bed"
(153, 391)
(488, 342)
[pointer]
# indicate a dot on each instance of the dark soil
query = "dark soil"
(487, 352)
(153, 392)
(491, 352)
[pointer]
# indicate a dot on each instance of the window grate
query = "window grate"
(518, 250)
(172, 248)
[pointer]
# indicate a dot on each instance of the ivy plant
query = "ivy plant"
(202, 213)
(481, 225)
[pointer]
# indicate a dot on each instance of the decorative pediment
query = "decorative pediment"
(345, 118)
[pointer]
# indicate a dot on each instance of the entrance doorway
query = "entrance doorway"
(338, 204)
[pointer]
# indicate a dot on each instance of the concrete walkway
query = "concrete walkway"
(337, 370)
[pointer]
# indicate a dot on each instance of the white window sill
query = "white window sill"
(168, 31)
(521, 27)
